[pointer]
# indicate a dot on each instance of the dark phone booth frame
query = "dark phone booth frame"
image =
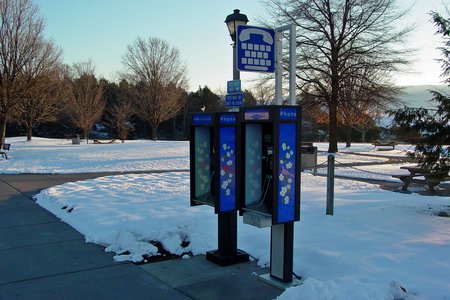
(224, 146)
(225, 163)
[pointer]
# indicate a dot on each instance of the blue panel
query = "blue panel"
(227, 152)
(227, 119)
(288, 114)
(233, 86)
(202, 119)
(234, 100)
(286, 173)
(255, 49)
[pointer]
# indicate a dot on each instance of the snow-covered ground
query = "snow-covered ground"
(59, 156)
(376, 244)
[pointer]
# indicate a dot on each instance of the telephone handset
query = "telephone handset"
(268, 158)
(245, 35)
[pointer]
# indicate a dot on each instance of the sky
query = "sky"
(101, 30)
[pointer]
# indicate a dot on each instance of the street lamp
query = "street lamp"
(233, 21)
(227, 252)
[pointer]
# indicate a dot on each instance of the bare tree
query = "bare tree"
(119, 109)
(42, 100)
(118, 117)
(338, 37)
(43, 105)
(363, 96)
(159, 77)
(264, 93)
(21, 36)
(355, 114)
(86, 102)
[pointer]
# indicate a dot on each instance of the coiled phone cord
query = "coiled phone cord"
(263, 194)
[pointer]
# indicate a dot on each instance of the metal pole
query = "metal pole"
(292, 63)
(236, 73)
(282, 251)
(227, 221)
(278, 66)
(282, 235)
(330, 185)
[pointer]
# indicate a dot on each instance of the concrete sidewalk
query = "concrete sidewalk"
(44, 258)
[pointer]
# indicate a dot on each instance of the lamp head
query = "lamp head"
(233, 21)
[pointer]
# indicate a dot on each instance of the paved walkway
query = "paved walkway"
(44, 258)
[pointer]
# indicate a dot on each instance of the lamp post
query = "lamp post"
(227, 252)
(233, 21)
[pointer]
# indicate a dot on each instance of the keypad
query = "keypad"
(256, 56)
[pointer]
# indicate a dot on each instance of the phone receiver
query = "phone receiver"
(245, 35)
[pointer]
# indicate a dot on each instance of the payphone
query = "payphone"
(270, 191)
(214, 160)
(215, 171)
(271, 173)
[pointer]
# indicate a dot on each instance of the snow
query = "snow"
(378, 244)
(58, 156)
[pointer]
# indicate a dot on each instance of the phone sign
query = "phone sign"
(255, 49)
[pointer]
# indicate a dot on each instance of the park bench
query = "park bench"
(3, 148)
(105, 142)
(378, 143)
(422, 176)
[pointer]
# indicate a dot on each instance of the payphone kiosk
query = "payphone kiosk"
(270, 191)
(214, 167)
(215, 171)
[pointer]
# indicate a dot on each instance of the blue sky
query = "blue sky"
(101, 29)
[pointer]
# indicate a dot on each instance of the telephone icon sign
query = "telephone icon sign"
(255, 49)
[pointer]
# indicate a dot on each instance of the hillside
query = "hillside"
(419, 95)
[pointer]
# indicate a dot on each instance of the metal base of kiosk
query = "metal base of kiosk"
(269, 279)
(227, 253)
(227, 260)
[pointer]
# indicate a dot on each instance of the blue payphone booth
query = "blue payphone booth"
(215, 171)
(270, 192)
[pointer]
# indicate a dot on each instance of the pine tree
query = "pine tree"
(433, 150)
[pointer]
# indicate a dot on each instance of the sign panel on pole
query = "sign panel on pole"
(234, 100)
(233, 86)
(255, 49)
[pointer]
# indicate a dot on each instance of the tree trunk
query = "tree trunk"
(348, 140)
(185, 128)
(86, 135)
(332, 127)
(174, 128)
(363, 132)
(155, 132)
(3, 128)
(29, 133)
